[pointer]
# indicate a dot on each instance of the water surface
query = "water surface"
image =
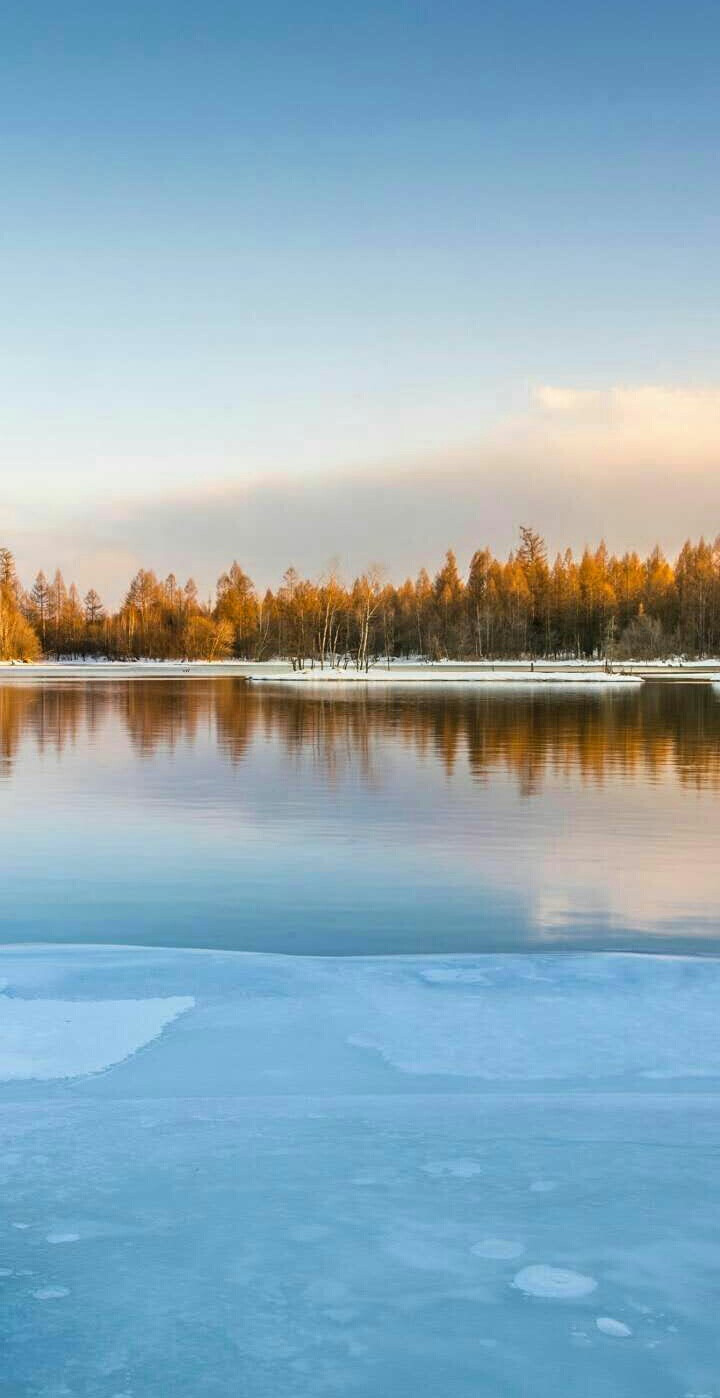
(210, 813)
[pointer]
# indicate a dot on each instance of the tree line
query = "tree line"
(598, 605)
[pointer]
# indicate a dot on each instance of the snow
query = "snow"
(447, 675)
(569, 673)
(66, 1039)
(320, 1175)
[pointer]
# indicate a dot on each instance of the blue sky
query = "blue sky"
(258, 259)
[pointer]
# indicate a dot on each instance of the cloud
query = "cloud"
(644, 426)
(634, 465)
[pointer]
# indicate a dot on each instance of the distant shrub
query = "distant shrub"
(642, 639)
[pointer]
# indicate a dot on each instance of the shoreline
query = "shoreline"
(446, 673)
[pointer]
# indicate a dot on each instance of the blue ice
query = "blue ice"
(287, 1177)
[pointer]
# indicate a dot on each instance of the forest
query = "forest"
(597, 605)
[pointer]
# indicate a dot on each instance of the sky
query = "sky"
(295, 281)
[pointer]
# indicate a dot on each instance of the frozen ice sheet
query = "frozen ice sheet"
(486, 1175)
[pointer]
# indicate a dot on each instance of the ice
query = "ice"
(511, 1023)
(321, 1176)
(461, 1169)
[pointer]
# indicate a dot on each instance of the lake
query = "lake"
(227, 1170)
(213, 813)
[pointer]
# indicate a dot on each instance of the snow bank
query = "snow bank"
(447, 676)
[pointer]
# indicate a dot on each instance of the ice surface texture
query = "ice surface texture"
(324, 1176)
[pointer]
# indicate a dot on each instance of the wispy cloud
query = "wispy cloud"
(653, 425)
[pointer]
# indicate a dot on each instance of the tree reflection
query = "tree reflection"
(660, 731)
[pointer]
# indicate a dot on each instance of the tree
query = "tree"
(93, 607)
(8, 575)
(532, 558)
(39, 597)
(642, 639)
(448, 594)
(18, 640)
(366, 597)
(237, 604)
(206, 639)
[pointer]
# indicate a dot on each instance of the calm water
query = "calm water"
(207, 813)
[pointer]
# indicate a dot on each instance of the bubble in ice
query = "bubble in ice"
(50, 1293)
(498, 1248)
(608, 1326)
(63, 1237)
(553, 1283)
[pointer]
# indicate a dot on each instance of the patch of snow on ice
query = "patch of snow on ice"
(45, 1039)
(553, 1283)
(608, 1326)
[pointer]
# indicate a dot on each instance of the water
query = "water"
(233, 1172)
(209, 813)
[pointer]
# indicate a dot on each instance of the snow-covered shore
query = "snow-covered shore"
(517, 672)
(397, 674)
